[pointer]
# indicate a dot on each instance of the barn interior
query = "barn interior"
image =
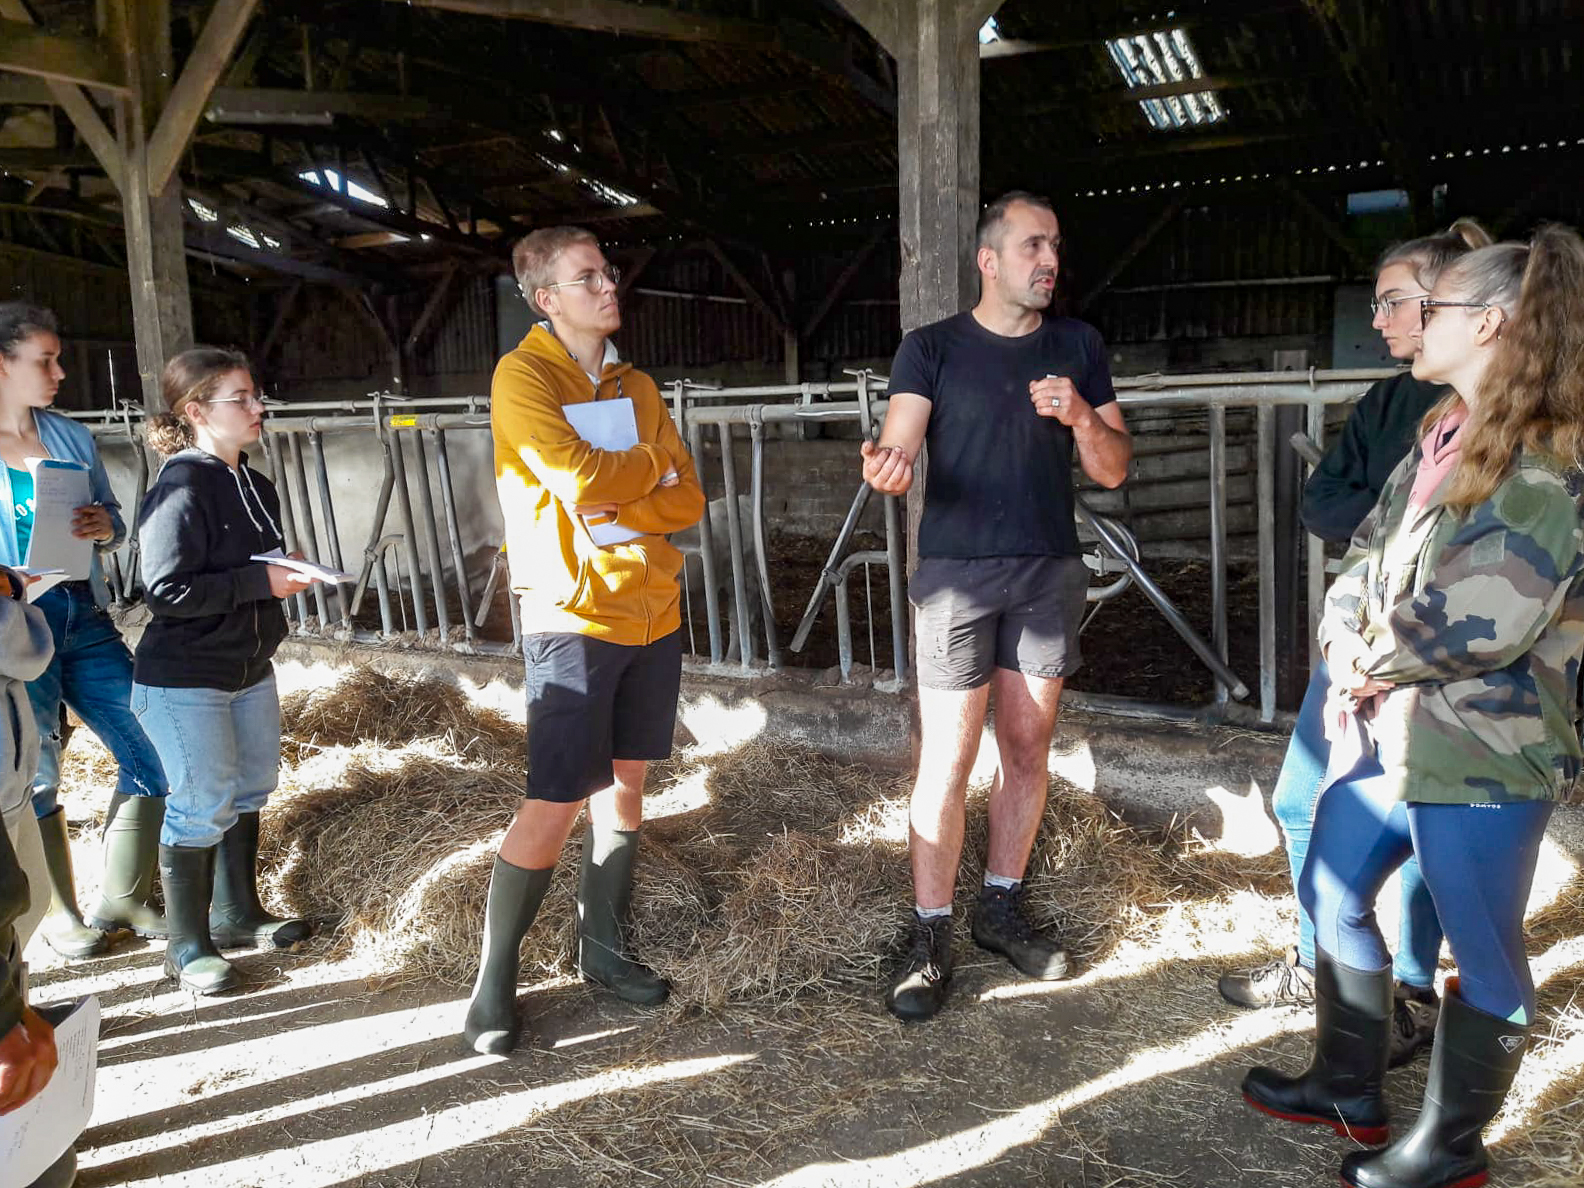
(787, 187)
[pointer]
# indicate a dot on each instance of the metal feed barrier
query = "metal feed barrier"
(406, 431)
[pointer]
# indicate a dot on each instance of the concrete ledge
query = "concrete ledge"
(1217, 778)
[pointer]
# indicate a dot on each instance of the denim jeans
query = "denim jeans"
(221, 751)
(92, 673)
(1293, 801)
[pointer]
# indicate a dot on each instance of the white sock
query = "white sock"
(925, 913)
(995, 880)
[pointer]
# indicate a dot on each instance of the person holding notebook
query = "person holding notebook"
(92, 670)
(601, 615)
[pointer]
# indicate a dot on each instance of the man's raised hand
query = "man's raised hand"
(887, 469)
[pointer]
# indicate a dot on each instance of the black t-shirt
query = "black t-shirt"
(1000, 475)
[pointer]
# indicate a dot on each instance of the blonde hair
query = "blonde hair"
(1430, 255)
(190, 377)
(534, 257)
(1531, 396)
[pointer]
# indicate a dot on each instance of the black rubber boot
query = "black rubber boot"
(1341, 1088)
(604, 899)
(237, 919)
(64, 929)
(190, 955)
(1472, 1065)
(925, 982)
(492, 1026)
(131, 850)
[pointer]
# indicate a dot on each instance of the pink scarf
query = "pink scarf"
(1440, 447)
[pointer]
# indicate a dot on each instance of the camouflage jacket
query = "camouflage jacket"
(1477, 618)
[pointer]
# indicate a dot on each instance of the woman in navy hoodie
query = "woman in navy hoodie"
(204, 687)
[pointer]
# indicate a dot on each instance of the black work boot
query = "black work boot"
(1341, 1088)
(1283, 982)
(492, 1026)
(1472, 1065)
(237, 919)
(926, 978)
(187, 873)
(1415, 1011)
(131, 851)
(64, 929)
(604, 899)
(1001, 926)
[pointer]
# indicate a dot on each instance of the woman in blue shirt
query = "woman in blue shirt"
(92, 670)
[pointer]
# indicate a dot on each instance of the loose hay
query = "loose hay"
(791, 881)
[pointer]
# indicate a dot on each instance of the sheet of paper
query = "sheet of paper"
(59, 489)
(48, 579)
(324, 573)
(38, 1134)
(606, 425)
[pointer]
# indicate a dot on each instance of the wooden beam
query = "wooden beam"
(441, 298)
(744, 285)
(263, 105)
(1327, 226)
(283, 309)
(81, 61)
(632, 271)
(614, 16)
(228, 20)
(854, 267)
(1130, 253)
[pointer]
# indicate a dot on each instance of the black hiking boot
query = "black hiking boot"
(1283, 982)
(1414, 1013)
(1001, 925)
(921, 991)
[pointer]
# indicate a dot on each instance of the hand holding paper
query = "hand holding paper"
(292, 575)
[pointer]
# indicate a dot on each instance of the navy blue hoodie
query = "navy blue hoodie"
(216, 624)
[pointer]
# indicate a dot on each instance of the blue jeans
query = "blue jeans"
(1293, 801)
(221, 751)
(1478, 861)
(92, 673)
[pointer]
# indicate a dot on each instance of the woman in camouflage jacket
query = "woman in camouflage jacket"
(1453, 636)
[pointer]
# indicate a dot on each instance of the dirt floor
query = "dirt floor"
(774, 1064)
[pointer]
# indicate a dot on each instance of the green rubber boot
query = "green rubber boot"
(64, 929)
(237, 919)
(515, 893)
(190, 955)
(131, 851)
(604, 897)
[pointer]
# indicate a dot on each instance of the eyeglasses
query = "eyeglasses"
(1388, 305)
(591, 280)
(1429, 305)
(257, 401)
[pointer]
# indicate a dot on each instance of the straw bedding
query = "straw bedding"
(791, 880)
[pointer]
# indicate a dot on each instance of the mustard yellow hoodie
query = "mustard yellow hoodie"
(624, 593)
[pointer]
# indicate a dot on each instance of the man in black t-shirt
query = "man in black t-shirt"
(1001, 395)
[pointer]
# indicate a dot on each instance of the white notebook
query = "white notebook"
(606, 425)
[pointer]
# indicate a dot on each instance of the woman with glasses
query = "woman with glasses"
(205, 687)
(91, 671)
(1379, 432)
(1453, 637)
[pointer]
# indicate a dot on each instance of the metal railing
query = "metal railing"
(430, 536)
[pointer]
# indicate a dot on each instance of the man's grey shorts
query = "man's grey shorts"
(977, 614)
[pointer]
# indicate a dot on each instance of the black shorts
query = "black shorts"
(977, 614)
(590, 702)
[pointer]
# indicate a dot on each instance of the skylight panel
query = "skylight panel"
(608, 193)
(1159, 58)
(207, 213)
(329, 179)
(244, 235)
(989, 31)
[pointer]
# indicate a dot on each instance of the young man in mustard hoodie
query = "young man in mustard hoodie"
(602, 638)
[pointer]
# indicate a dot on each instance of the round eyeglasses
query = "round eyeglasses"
(592, 280)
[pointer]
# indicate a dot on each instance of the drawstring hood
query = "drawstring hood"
(242, 476)
(245, 474)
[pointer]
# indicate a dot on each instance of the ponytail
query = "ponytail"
(192, 376)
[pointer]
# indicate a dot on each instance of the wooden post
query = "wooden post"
(156, 253)
(936, 47)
